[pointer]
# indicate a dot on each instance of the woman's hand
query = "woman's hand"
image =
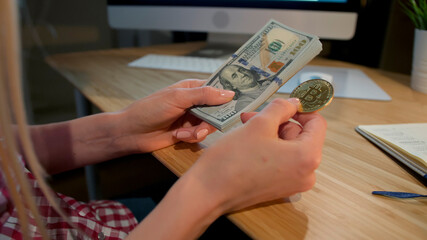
(162, 119)
(266, 159)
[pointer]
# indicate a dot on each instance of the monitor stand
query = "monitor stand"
(221, 45)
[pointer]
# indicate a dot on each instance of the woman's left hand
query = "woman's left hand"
(162, 119)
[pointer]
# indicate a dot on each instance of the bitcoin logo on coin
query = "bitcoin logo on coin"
(313, 94)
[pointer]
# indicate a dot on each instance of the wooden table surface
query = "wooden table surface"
(340, 206)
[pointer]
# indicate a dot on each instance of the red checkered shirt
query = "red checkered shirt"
(97, 219)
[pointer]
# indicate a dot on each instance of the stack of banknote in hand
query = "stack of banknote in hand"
(257, 70)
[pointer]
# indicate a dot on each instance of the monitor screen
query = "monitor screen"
(328, 19)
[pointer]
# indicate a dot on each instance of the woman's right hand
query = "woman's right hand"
(265, 159)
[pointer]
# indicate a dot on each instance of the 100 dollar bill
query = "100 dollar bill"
(257, 70)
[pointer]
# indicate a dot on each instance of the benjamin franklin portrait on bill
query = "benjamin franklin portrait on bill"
(244, 82)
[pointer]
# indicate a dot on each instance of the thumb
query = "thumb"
(206, 95)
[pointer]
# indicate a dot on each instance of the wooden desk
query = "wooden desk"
(340, 206)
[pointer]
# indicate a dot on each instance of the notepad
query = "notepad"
(406, 142)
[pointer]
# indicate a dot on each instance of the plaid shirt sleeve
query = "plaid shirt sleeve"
(96, 220)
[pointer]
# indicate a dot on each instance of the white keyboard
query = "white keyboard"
(178, 63)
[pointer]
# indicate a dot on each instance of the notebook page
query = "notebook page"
(409, 138)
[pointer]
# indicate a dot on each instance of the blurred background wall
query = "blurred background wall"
(51, 27)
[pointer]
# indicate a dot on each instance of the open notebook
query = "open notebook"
(406, 142)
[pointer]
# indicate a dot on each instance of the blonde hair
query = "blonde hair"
(11, 112)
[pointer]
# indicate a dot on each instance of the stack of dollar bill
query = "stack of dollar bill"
(257, 70)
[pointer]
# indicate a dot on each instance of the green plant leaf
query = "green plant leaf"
(417, 12)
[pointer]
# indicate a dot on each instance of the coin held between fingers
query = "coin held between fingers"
(314, 95)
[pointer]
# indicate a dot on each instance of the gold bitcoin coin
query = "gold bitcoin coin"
(313, 94)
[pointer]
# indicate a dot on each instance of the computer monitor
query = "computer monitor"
(328, 19)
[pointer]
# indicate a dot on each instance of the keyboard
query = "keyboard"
(178, 63)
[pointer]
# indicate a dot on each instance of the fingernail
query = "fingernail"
(183, 135)
(202, 133)
(226, 93)
(294, 101)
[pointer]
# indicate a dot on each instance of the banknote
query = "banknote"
(257, 70)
